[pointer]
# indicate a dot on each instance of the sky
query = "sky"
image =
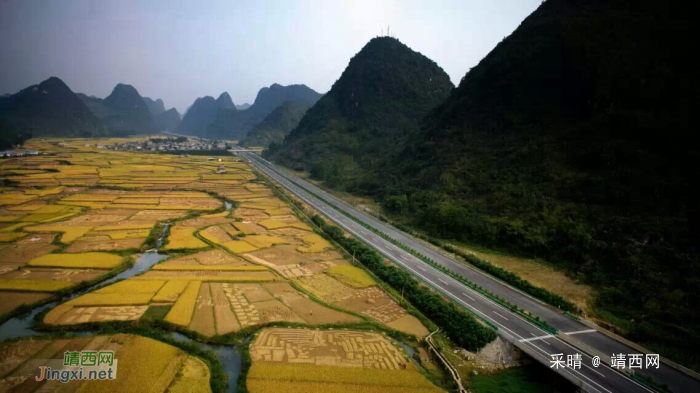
(180, 50)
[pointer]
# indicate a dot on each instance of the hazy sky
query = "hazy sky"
(180, 50)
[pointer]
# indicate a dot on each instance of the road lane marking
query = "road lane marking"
(443, 281)
(525, 340)
(581, 332)
(559, 341)
(500, 315)
(469, 296)
(421, 268)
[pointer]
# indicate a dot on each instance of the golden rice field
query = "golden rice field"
(140, 359)
(352, 276)
(315, 243)
(83, 212)
(94, 260)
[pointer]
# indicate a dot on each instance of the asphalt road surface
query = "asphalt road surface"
(533, 340)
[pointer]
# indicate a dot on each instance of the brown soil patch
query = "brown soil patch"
(246, 313)
(253, 215)
(72, 275)
(12, 300)
(254, 292)
(202, 222)
(326, 288)
(122, 313)
(159, 215)
(226, 321)
(314, 313)
(409, 324)
(365, 299)
(293, 232)
(217, 233)
(281, 255)
(28, 248)
(327, 348)
(214, 257)
(289, 271)
(208, 273)
(274, 311)
(15, 353)
(203, 317)
(103, 243)
(386, 313)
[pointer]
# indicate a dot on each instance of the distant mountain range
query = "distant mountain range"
(155, 106)
(276, 125)
(243, 106)
(202, 113)
(235, 124)
(50, 108)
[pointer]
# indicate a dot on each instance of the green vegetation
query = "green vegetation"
(380, 97)
(49, 109)
(277, 124)
(528, 379)
(11, 136)
(460, 326)
(570, 142)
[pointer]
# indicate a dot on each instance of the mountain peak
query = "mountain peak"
(225, 102)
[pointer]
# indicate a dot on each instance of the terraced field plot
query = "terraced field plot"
(229, 270)
(139, 359)
(288, 360)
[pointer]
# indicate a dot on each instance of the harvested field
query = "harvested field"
(215, 235)
(289, 360)
(203, 318)
(326, 288)
(33, 285)
(103, 243)
(248, 228)
(53, 274)
(264, 241)
(248, 268)
(214, 257)
(274, 310)
(282, 255)
(12, 300)
(226, 321)
(409, 324)
(275, 224)
(206, 276)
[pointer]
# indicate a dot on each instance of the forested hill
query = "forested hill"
(573, 140)
(49, 108)
(276, 125)
(380, 97)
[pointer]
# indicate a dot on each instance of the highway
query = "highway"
(533, 340)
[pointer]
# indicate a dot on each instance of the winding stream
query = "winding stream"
(21, 326)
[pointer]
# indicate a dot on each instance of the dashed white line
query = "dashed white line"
(469, 296)
(443, 281)
(500, 315)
